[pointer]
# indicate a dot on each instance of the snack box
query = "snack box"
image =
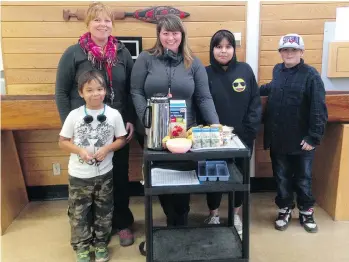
(178, 118)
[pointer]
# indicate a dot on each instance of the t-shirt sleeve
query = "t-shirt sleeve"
(68, 126)
(119, 126)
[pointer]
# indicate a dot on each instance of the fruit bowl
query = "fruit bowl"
(178, 145)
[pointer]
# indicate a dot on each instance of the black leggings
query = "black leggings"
(214, 199)
(122, 217)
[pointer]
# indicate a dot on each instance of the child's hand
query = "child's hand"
(101, 154)
(85, 155)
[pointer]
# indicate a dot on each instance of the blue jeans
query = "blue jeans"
(293, 172)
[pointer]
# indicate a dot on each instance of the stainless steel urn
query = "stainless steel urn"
(157, 120)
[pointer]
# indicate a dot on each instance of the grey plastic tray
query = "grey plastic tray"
(213, 171)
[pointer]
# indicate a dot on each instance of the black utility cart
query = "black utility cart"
(218, 243)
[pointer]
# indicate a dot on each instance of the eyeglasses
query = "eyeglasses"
(236, 84)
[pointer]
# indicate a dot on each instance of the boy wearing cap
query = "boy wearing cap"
(294, 123)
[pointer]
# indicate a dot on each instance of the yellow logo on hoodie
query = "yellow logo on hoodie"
(239, 85)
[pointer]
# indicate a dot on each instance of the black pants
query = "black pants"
(176, 207)
(122, 217)
(293, 172)
(214, 199)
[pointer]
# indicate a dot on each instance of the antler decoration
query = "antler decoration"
(150, 15)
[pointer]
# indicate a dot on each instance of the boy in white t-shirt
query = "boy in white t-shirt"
(91, 133)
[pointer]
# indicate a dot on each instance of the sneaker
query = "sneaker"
(83, 255)
(212, 220)
(306, 218)
(238, 224)
(143, 248)
(101, 254)
(283, 219)
(126, 237)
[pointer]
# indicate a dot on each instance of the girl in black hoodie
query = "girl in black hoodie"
(236, 97)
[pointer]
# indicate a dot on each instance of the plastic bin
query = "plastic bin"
(213, 171)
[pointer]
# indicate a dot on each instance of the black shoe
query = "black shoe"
(306, 219)
(142, 248)
(283, 219)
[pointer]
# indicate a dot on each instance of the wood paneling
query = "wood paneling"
(44, 163)
(331, 172)
(30, 89)
(302, 27)
(40, 149)
(299, 11)
(13, 191)
(30, 63)
(30, 76)
(58, 45)
(45, 178)
(123, 3)
(24, 115)
(37, 136)
(338, 56)
(54, 13)
(338, 106)
(50, 61)
(71, 29)
(304, 18)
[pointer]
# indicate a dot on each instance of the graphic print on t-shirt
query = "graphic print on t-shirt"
(92, 138)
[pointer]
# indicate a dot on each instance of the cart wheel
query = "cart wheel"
(142, 248)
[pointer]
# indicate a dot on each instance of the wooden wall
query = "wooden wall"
(331, 172)
(13, 191)
(307, 19)
(280, 18)
(34, 36)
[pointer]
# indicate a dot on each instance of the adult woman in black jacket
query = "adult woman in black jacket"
(98, 49)
(236, 97)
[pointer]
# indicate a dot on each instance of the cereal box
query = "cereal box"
(178, 118)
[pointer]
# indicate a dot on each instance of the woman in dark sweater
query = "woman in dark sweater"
(98, 49)
(236, 97)
(170, 68)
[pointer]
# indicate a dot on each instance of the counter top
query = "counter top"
(40, 112)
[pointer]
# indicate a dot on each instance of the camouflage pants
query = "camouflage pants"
(85, 194)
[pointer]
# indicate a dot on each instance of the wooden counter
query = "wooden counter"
(40, 112)
(331, 172)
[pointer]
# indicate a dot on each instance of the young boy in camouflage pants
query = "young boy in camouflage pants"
(91, 133)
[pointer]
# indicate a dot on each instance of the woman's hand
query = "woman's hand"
(130, 130)
(101, 153)
(85, 155)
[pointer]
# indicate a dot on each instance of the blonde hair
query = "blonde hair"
(95, 9)
(173, 23)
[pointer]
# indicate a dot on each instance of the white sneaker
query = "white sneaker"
(284, 219)
(238, 224)
(212, 220)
